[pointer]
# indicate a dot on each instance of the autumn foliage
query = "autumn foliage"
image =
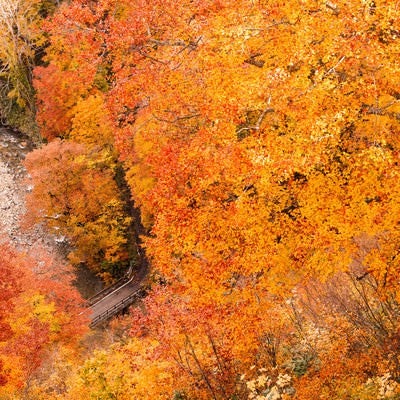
(40, 312)
(75, 194)
(260, 141)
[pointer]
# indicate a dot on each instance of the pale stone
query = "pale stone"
(273, 394)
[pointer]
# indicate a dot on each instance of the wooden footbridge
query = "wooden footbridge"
(117, 297)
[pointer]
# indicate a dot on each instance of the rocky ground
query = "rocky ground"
(13, 188)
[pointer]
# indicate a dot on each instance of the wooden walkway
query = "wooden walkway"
(113, 299)
(114, 302)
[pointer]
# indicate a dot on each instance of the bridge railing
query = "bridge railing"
(117, 307)
(109, 289)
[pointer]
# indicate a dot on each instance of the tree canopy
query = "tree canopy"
(259, 139)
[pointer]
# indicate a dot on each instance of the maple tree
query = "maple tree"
(75, 68)
(76, 195)
(39, 308)
(123, 370)
(11, 288)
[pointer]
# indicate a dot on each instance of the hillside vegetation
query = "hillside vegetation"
(260, 140)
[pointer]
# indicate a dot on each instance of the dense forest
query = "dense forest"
(258, 140)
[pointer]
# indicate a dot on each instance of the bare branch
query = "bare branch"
(335, 66)
(333, 7)
(259, 121)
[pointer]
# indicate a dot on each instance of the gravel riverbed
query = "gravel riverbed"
(13, 189)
